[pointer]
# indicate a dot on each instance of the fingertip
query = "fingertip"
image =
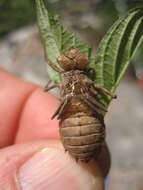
(13, 95)
(53, 169)
(25, 111)
(45, 165)
(35, 122)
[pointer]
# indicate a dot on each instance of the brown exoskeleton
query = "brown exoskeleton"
(82, 128)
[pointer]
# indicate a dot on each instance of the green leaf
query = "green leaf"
(117, 49)
(50, 40)
(56, 38)
(113, 55)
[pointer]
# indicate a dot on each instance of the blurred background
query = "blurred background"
(21, 53)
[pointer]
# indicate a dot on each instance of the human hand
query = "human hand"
(31, 155)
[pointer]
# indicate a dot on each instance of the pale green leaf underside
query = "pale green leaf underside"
(113, 55)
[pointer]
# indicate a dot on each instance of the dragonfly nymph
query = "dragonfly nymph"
(81, 109)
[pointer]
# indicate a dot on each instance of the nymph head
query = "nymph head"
(73, 59)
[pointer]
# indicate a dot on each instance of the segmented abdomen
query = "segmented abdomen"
(82, 133)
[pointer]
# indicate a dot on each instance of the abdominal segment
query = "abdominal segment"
(82, 133)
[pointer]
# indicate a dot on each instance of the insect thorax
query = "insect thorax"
(72, 81)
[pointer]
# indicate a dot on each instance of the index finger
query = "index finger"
(25, 111)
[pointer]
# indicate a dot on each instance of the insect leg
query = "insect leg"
(97, 103)
(47, 87)
(97, 96)
(58, 109)
(62, 107)
(94, 102)
(54, 67)
(102, 89)
(92, 106)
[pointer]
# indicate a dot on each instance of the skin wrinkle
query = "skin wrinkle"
(88, 169)
(16, 181)
(12, 158)
(17, 185)
(27, 158)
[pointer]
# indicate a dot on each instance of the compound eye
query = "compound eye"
(72, 60)
(65, 62)
(81, 61)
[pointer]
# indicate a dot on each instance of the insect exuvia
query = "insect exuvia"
(82, 127)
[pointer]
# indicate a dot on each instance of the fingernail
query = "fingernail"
(53, 169)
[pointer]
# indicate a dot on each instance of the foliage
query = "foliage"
(114, 52)
(56, 38)
(118, 47)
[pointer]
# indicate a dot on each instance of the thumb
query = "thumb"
(45, 165)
